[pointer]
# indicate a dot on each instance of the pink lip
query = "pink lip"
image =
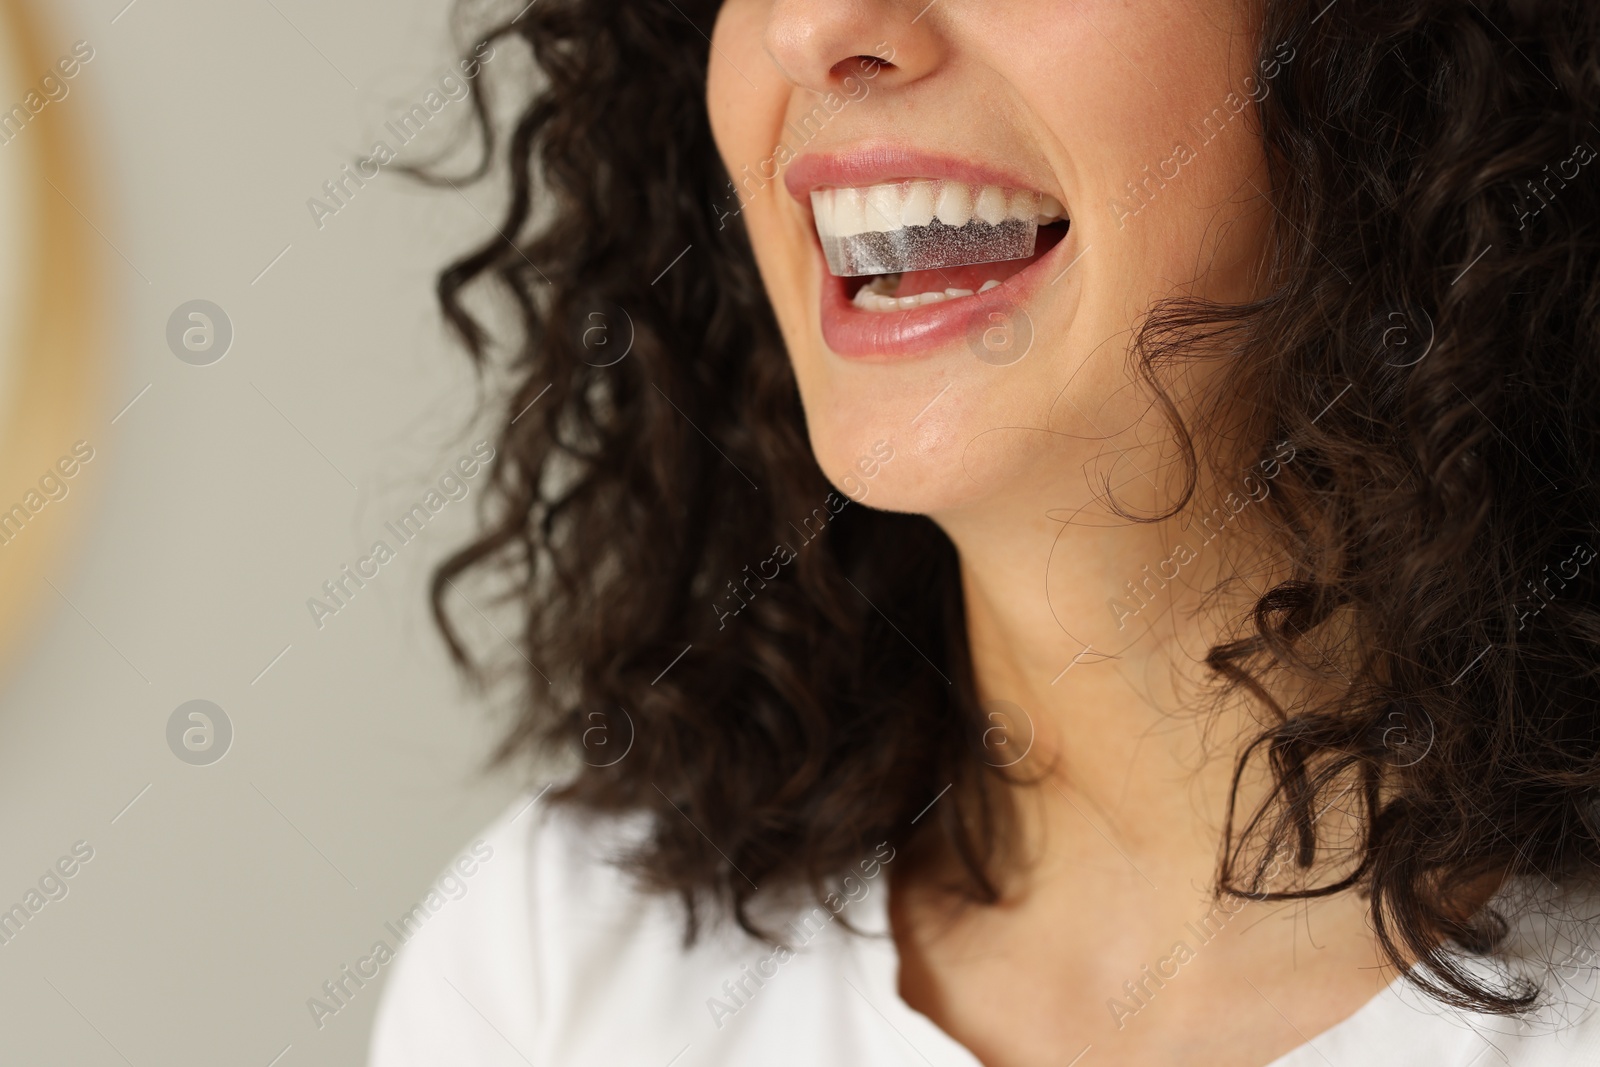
(891, 336)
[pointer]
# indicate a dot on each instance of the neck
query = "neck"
(1088, 641)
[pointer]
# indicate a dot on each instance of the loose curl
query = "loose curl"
(1430, 344)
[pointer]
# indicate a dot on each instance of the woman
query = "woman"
(1053, 533)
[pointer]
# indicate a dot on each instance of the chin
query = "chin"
(940, 465)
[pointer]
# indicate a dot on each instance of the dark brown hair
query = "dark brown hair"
(1430, 345)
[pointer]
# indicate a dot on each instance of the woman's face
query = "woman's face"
(1133, 121)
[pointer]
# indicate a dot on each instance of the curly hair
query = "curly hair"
(1429, 343)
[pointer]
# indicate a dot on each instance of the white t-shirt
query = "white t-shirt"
(550, 957)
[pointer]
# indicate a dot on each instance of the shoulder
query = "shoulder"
(553, 955)
(1553, 944)
(473, 978)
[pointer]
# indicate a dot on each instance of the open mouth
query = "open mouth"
(903, 245)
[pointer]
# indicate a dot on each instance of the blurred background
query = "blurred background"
(215, 397)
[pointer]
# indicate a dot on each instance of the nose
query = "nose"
(817, 44)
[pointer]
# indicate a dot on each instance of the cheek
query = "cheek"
(745, 97)
(733, 116)
(747, 100)
(1158, 133)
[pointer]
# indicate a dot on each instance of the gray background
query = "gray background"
(221, 899)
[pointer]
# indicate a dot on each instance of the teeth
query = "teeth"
(883, 284)
(955, 205)
(991, 206)
(869, 299)
(849, 211)
(918, 209)
(927, 224)
(875, 295)
(883, 208)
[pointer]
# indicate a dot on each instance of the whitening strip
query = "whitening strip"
(926, 225)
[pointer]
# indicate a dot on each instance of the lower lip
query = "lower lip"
(888, 336)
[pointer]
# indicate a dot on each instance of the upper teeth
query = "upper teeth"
(845, 212)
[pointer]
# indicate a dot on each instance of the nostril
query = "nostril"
(867, 66)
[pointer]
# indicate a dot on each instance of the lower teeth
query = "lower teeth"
(877, 295)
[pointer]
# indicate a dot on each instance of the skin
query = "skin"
(1116, 845)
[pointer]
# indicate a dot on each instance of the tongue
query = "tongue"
(972, 276)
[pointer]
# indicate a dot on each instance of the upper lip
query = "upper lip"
(879, 162)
